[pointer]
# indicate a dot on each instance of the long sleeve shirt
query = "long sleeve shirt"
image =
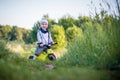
(44, 37)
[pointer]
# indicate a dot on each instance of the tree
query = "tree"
(66, 22)
(81, 20)
(1, 31)
(16, 34)
(26, 36)
(19, 34)
(4, 31)
(34, 31)
(58, 35)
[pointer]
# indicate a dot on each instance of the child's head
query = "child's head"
(44, 23)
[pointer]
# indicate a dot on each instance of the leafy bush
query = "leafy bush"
(3, 51)
(4, 31)
(27, 37)
(73, 32)
(58, 35)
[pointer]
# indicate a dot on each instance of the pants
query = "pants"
(38, 50)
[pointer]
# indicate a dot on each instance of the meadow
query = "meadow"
(94, 56)
(88, 49)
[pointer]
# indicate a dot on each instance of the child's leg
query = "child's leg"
(37, 52)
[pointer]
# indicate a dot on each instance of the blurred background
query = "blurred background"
(87, 32)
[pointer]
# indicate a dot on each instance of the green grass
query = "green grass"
(90, 58)
(23, 69)
(16, 67)
(34, 71)
(99, 49)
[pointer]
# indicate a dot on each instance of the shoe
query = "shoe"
(34, 57)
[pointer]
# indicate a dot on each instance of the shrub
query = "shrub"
(58, 35)
(73, 32)
(3, 51)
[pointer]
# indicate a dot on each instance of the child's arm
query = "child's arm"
(51, 40)
(39, 38)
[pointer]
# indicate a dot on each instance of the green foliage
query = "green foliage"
(95, 45)
(34, 31)
(4, 52)
(14, 67)
(58, 35)
(35, 70)
(4, 31)
(13, 33)
(72, 33)
(27, 37)
(16, 34)
(66, 22)
(81, 20)
(98, 49)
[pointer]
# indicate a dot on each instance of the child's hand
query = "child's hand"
(41, 45)
(54, 42)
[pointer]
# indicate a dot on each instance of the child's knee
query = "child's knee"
(38, 51)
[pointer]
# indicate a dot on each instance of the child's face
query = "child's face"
(44, 25)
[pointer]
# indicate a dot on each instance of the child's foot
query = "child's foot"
(34, 57)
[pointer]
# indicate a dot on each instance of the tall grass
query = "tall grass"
(100, 47)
